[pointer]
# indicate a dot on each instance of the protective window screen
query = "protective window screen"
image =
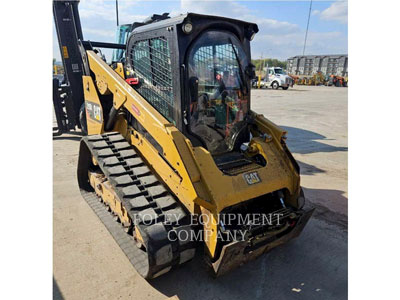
(214, 59)
(152, 63)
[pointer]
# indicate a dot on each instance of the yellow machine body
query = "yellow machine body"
(189, 172)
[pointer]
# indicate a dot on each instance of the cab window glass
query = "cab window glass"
(216, 62)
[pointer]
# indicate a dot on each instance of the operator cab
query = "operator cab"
(196, 71)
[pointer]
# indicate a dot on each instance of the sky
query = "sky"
(282, 24)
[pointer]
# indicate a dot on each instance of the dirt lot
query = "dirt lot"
(88, 264)
(316, 121)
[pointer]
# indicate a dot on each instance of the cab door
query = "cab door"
(271, 75)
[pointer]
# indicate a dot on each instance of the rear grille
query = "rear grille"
(237, 167)
(234, 163)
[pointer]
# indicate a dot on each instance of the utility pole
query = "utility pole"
(116, 9)
(263, 64)
(259, 76)
(308, 23)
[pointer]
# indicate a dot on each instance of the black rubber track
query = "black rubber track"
(154, 211)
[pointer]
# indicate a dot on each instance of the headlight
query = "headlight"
(187, 28)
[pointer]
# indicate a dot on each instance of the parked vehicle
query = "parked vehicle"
(276, 77)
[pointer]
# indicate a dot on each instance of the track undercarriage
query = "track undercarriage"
(111, 170)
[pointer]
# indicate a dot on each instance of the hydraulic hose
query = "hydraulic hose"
(111, 119)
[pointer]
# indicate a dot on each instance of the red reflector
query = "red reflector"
(132, 81)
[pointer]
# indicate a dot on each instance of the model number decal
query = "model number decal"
(252, 178)
(93, 111)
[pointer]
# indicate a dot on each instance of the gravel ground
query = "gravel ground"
(88, 264)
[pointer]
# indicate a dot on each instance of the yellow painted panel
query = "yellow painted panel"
(95, 125)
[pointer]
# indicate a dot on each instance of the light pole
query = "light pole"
(263, 64)
(308, 23)
(116, 9)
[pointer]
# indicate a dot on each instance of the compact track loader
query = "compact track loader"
(174, 158)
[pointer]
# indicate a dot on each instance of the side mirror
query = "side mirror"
(251, 71)
(193, 88)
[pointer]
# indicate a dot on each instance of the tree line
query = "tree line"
(271, 62)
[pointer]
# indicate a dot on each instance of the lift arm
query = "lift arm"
(73, 51)
(69, 33)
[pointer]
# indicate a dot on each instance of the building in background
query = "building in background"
(312, 64)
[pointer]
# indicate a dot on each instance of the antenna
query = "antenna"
(308, 23)
(116, 9)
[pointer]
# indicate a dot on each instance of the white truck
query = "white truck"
(276, 77)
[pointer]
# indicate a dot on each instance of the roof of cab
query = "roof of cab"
(181, 18)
